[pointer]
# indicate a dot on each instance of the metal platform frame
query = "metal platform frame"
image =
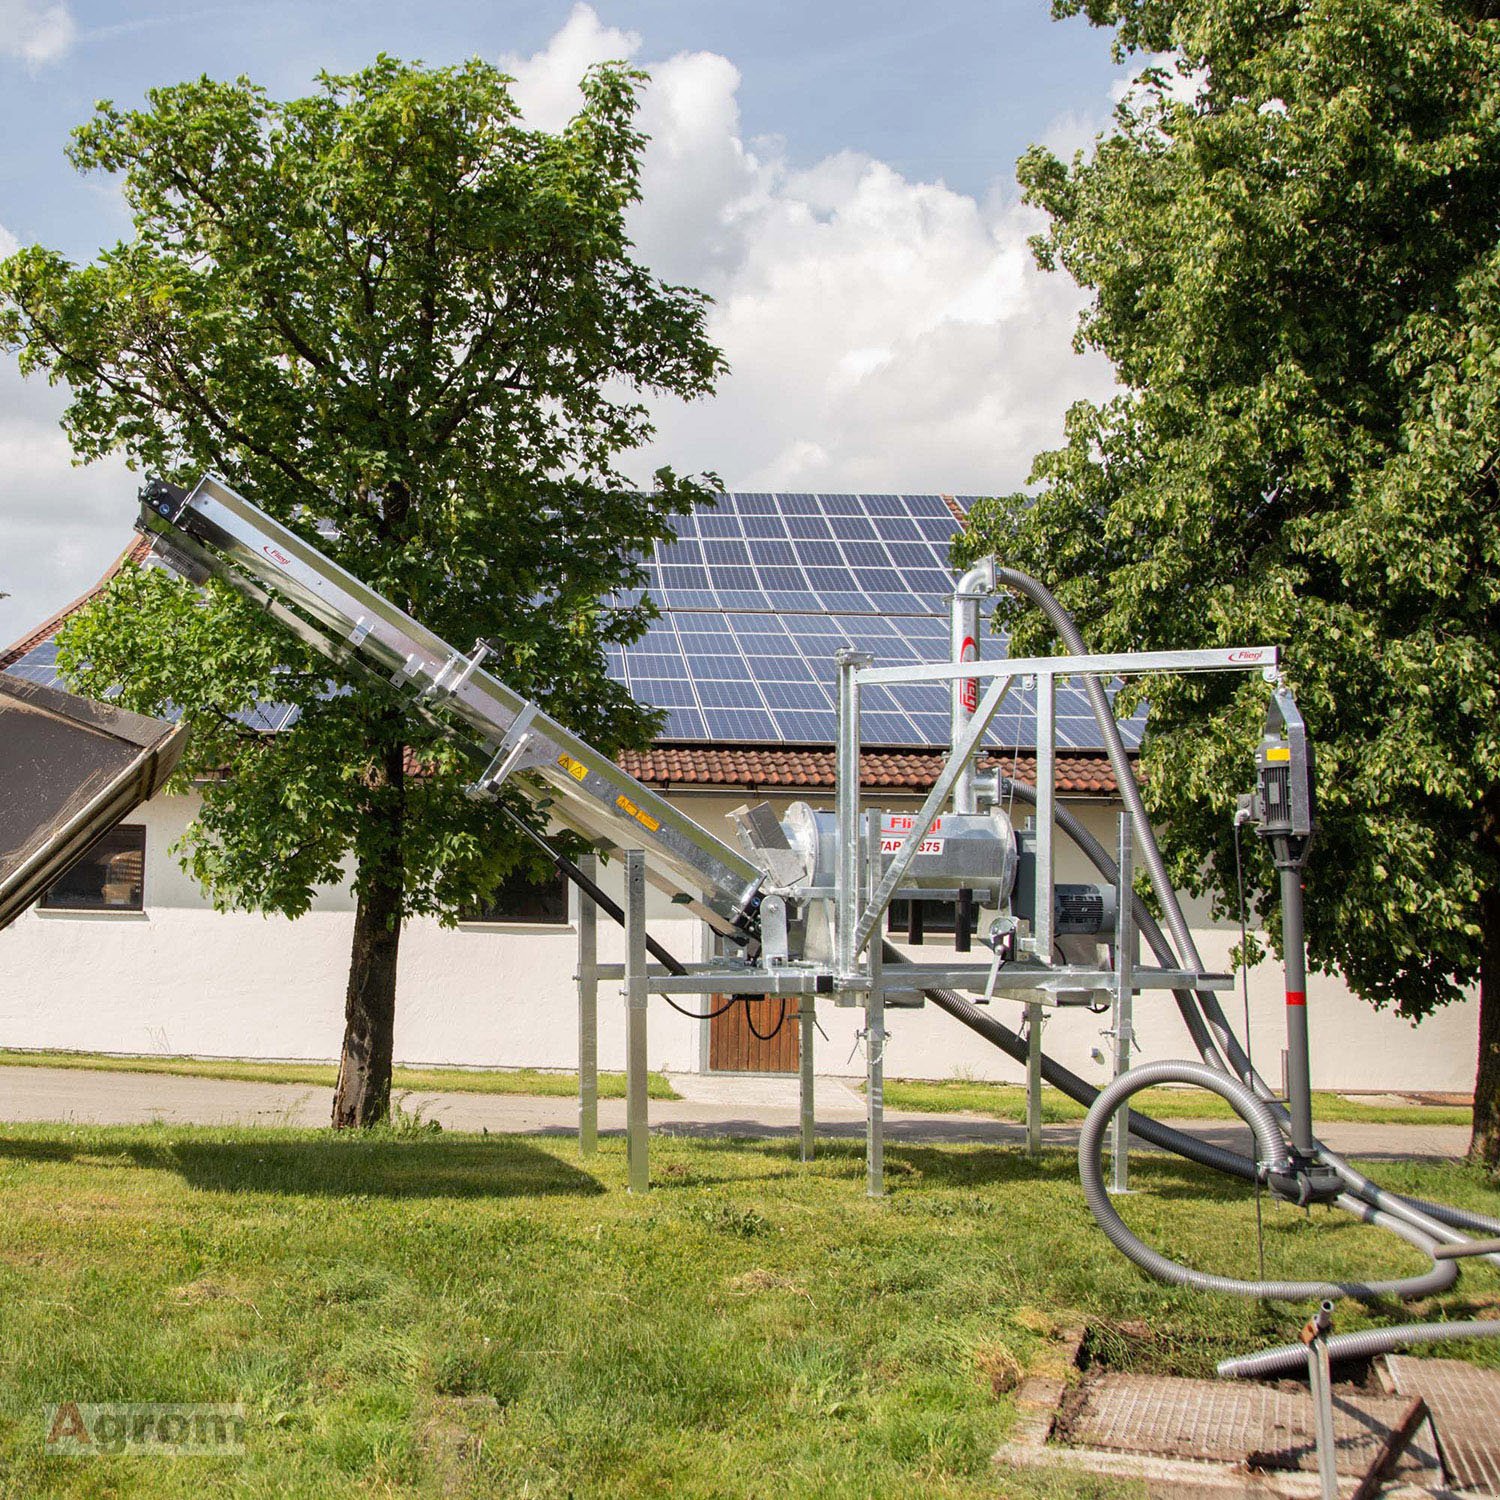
(861, 974)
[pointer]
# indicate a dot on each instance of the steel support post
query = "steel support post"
(1122, 1017)
(875, 1044)
(1041, 922)
(1299, 1066)
(807, 1114)
(1035, 1019)
(846, 801)
(1046, 814)
(1320, 1380)
(637, 1166)
(588, 1014)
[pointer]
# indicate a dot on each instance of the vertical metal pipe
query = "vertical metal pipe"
(964, 618)
(637, 1167)
(807, 1111)
(588, 1013)
(1299, 1066)
(875, 1043)
(1046, 802)
(1320, 1379)
(964, 621)
(1035, 1012)
(1123, 1018)
(847, 901)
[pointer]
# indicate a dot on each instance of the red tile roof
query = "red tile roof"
(134, 553)
(768, 768)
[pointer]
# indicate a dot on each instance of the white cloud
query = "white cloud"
(883, 333)
(60, 525)
(1182, 84)
(547, 82)
(35, 31)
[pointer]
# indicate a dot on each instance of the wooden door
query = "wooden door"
(734, 1047)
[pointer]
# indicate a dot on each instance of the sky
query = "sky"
(839, 176)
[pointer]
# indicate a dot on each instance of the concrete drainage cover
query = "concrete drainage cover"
(1465, 1406)
(1261, 1427)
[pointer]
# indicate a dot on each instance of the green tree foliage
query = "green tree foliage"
(1291, 241)
(412, 329)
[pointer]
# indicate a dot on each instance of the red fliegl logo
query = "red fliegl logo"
(969, 693)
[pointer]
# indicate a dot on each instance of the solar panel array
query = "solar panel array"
(757, 592)
(40, 665)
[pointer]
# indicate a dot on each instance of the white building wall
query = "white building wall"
(182, 978)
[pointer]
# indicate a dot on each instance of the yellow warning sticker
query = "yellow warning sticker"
(575, 768)
(643, 818)
(1279, 752)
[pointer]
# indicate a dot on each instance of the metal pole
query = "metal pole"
(1122, 1020)
(588, 1015)
(1041, 922)
(1046, 802)
(1299, 1068)
(1320, 1380)
(846, 896)
(875, 1045)
(806, 1029)
(1035, 1011)
(637, 1167)
(964, 620)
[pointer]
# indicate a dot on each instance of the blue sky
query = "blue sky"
(839, 176)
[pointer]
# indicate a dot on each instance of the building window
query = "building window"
(518, 898)
(110, 877)
(937, 917)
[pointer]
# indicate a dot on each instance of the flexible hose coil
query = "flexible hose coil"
(1275, 1159)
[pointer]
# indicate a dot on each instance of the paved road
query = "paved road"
(748, 1107)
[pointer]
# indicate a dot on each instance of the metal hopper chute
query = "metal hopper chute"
(70, 769)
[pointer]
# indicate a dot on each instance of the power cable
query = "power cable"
(612, 908)
(751, 1001)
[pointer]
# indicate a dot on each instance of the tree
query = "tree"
(1290, 238)
(411, 329)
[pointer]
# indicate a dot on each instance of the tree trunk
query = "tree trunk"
(1485, 1144)
(363, 1096)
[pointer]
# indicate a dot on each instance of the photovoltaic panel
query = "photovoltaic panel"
(757, 592)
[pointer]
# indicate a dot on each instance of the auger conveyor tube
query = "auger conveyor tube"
(213, 530)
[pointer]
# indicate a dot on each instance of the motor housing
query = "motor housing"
(973, 850)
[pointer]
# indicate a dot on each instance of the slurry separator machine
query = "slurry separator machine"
(796, 902)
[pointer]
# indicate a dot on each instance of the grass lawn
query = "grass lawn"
(1007, 1101)
(416, 1314)
(438, 1080)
